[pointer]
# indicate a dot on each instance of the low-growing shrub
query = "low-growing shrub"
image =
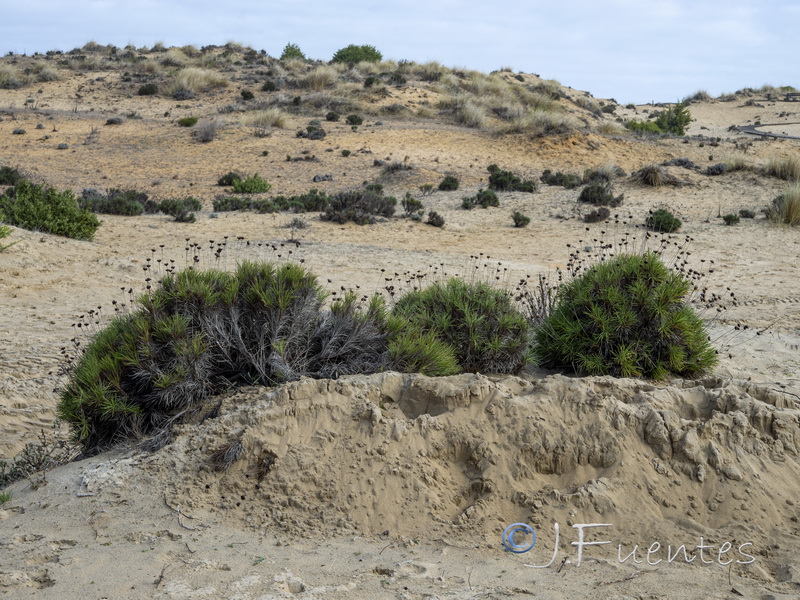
(411, 205)
(506, 181)
(354, 119)
(746, 213)
(181, 209)
(229, 203)
(480, 323)
(187, 121)
(117, 202)
(253, 184)
(645, 127)
(357, 54)
(730, 219)
(519, 219)
(662, 221)
(626, 317)
(449, 183)
(229, 177)
(332, 116)
(785, 208)
(567, 180)
(359, 206)
(247, 95)
(435, 219)
(40, 208)
(148, 89)
(597, 215)
(312, 201)
(269, 86)
(600, 194)
(10, 175)
(5, 231)
(484, 199)
(207, 131)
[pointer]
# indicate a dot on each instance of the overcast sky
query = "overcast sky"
(631, 50)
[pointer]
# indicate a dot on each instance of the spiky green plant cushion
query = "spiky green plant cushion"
(626, 317)
(480, 323)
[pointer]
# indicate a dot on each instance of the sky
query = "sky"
(630, 50)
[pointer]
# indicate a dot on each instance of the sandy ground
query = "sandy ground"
(131, 524)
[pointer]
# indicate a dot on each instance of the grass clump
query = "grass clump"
(251, 185)
(506, 181)
(787, 168)
(359, 206)
(654, 176)
(40, 208)
(785, 209)
(479, 322)
(730, 219)
(662, 221)
(627, 317)
(600, 194)
(484, 199)
(450, 183)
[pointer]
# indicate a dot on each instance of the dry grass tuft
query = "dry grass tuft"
(271, 117)
(321, 78)
(785, 208)
(654, 176)
(195, 79)
(787, 168)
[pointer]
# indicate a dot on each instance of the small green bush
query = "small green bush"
(627, 317)
(187, 121)
(600, 194)
(251, 185)
(435, 219)
(359, 206)
(312, 201)
(506, 181)
(5, 231)
(674, 120)
(229, 203)
(480, 323)
(411, 205)
(644, 127)
(117, 202)
(354, 119)
(450, 183)
(484, 199)
(662, 221)
(39, 208)
(730, 219)
(181, 209)
(356, 54)
(148, 89)
(229, 177)
(567, 180)
(519, 219)
(291, 51)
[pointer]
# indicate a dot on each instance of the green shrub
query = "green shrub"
(39, 208)
(506, 181)
(354, 119)
(674, 120)
(332, 116)
(312, 201)
(644, 127)
(411, 205)
(247, 95)
(600, 194)
(269, 86)
(730, 219)
(663, 221)
(181, 209)
(449, 183)
(746, 213)
(356, 54)
(229, 203)
(785, 208)
(5, 231)
(435, 219)
(148, 89)
(484, 199)
(567, 180)
(359, 206)
(187, 121)
(480, 323)
(251, 185)
(519, 219)
(291, 51)
(117, 202)
(626, 317)
(10, 176)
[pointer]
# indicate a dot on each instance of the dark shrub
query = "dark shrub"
(117, 202)
(269, 86)
(39, 208)
(718, 169)
(354, 119)
(626, 317)
(148, 89)
(181, 209)
(356, 54)
(746, 213)
(480, 323)
(596, 215)
(229, 203)
(484, 199)
(663, 221)
(10, 176)
(506, 181)
(371, 80)
(449, 183)
(411, 205)
(519, 219)
(730, 219)
(567, 180)
(600, 194)
(247, 95)
(435, 219)
(359, 206)
(229, 178)
(312, 201)
(332, 116)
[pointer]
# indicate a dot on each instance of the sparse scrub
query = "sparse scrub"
(10, 77)
(519, 219)
(746, 213)
(207, 131)
(567, 180)
(359, 206)
(411, 205)
(180, 209)
(663, 221)
(654, 176)
(626, 317)
(484, 199)
(40, 208)
(435, 219)
(785, 209)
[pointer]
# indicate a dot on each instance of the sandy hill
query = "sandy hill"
(390, 485)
